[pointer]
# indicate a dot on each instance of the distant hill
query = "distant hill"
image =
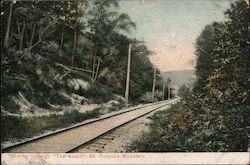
(179, 77)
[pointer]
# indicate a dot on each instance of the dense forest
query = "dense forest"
(61, 53)
(213, 114)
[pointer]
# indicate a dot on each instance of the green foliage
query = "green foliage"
(9, 104)
(99, 93)
(181, 130)
(36, 78)
(51, 44)
(161, 137)
(146, 97)
(59, 99)
(184, 91)
(158, 96)
(40, 69)
(224, 89)
(213, 117)
(116, 107)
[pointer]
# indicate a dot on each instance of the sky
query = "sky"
(170, 27)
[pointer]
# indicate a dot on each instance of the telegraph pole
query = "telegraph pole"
(153, 89)
(97, 69)
(128, 75)
(163, 90)
(169, 91)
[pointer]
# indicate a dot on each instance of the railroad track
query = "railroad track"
(98, 144)
(73, 138)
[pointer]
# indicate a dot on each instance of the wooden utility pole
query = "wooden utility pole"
(94, 60)
(163, 90)
(169, 91)
(74, 48)
(97, 69)
(128, 75)
(153, 88)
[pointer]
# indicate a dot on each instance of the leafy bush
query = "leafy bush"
(42, 64)
(184, 91)
(116, 107)
(213, 117)
(147, 97)
(59, 99)
(99, 93)
(179, 129)
(9, 105)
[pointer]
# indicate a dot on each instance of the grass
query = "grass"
(22, 127)
(160, 132)
(182, 129)
(116, 107)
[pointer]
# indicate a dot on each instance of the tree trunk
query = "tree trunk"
(97, 69)
(21, 37)
(18, 28)
(94, 61)
(6, 40)
(32, 36)
(153, 88)
(26, 37)
(74, 48)
(40, 34)
(62, 39)
(93, 70)
(11, 33)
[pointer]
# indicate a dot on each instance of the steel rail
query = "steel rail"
(9, 148)
(111, 130)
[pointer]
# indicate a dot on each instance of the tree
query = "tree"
(53, 37)
(214, 116)
(105, 24)
(184, 91)
(6, 40)
(222, 71)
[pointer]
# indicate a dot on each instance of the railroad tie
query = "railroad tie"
(82, 135)
(95, 145)
(99, 143)
(108, 138)
(93, 149)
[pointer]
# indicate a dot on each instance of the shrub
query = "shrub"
(182, 129)
(99, 93)
(147, 97)
(59, 99)
(9, 104)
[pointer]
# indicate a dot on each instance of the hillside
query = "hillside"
(59, 71)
